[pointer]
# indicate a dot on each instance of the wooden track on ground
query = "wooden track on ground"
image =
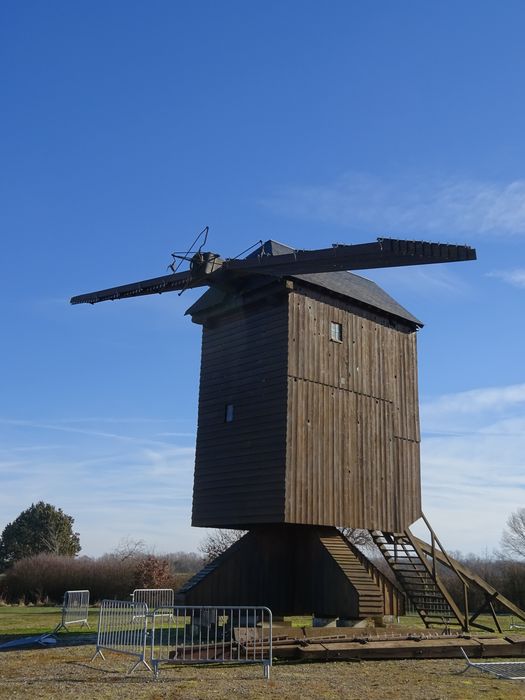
(317, 644)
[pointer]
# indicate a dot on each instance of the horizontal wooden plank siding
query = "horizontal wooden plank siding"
(240, 465)
(353, 423)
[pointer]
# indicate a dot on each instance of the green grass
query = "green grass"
(15, 620)
(414, 621)
(19, 619)
(486, 620)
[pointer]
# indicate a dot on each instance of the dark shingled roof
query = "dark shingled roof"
(346, 284)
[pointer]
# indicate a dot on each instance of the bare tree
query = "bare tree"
(513, 538)
(184, 562)
(360, 538)
(128, 548)
(217, 542)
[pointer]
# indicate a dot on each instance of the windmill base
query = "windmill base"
(295, 570)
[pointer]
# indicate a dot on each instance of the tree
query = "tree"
(513, 538)
(360, 538)
(153, 572)
(40, 528)
(217, 542)
(128, 548)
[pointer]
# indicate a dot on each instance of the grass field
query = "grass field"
(28, 620)
(66, 672)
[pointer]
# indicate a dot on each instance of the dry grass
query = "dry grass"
(67, 673)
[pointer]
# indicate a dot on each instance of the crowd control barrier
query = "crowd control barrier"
(74, 609)
(122, 628)
(180, 635)
(211, 635)
(154, 597)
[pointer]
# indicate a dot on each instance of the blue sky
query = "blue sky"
(126, 127)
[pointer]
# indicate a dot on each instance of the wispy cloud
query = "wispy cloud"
(133, 484)
(59, 426)
(115, 485)
(422, 282)
(476, 401)
(419, 205)
(473, 464)
(515, 278)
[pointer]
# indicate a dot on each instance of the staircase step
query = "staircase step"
(351, 564)
(450, 620)
(417, 587)
(418, 582)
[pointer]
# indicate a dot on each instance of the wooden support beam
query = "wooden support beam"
(473, 579)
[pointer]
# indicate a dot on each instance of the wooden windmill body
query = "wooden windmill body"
(308, 422)
(308, 416)
(308, 407)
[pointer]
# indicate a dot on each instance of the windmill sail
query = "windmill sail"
(385, 252)
(156, 285)
(209, 269)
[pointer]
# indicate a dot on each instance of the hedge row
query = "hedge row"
(44, 578)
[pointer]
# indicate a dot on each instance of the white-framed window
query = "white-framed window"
(336, 332)
(228, 413)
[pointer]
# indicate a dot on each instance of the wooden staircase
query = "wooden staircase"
(416, 565)
(416, 574)
(472, 580)
(296, 570)
(353, 565)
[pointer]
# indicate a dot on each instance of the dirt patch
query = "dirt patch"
(67, 673)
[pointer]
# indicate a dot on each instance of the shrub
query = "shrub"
(506, 576)
(153, 572)
(45, 577)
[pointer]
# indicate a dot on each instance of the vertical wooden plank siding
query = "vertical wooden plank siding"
(405, 388)
(407, 481)
(353, 423)
(318, 488)
(324, 432)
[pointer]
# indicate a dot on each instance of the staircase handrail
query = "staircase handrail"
(443, 552)
(474, 578)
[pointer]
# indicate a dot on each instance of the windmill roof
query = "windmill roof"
(346, 284)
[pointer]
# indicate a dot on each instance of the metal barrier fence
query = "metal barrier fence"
(185, 635)
(154, 597)
(191, 635)
(520, 625)
(511, 670)
(74, 609)
(122, 628)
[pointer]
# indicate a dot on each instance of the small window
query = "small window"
(336, 332)
(228, 413)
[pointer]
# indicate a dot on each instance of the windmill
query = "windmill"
(308, 422)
